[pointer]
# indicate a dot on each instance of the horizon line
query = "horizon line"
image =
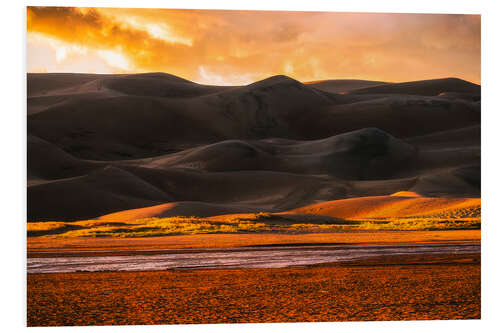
(289, 76)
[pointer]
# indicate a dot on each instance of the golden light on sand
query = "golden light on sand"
(239, 47)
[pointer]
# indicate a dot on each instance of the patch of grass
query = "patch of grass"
(49, 228)
(193, 225)
(45, 226)
(263, 216)
(422, 224)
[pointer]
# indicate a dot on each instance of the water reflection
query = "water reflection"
(250, 257)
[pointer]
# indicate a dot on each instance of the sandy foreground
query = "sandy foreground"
(397, 289)
(405, 287)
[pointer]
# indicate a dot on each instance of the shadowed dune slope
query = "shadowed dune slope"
(131, 126)
(146, 84)
(114, 189)
(100, 192)
(462, 181)
(424, 88)
(265, 189)
(119, 127)
(45, 161)
(338, 86)
(388, 206)
(183, 208)
(461, 138)
(104, 144)
(134, 116)
(41, 84)
(402, 116)
(158, 85)
(364, 154)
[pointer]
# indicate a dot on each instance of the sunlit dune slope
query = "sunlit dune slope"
(400, 204)
(388, 206)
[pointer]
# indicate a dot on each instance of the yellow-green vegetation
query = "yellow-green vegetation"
(260, 222)
(421, 224)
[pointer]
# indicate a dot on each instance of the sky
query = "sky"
(240, 47)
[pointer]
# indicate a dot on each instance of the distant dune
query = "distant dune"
(366, 153)
(388, 206)
(144, 145)
(424, 88)
(402, 116)
(46, 161)
(339, 86)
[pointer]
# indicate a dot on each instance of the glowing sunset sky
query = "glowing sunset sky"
(239, 47)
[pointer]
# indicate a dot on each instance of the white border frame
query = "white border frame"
(13, 166)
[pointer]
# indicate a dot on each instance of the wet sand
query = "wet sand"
(391, 288)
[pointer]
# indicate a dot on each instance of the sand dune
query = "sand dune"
(42, 84)
(267, 190)
(461, 138)
(133, 187)
(147, 84)
(39, 104)
(160, 145)
(464, 181)
(132, 126)
(424, 88)
(113, 190)
(364, 154)
(400, 204)
(46, 161)
(100, 192)
(406, 194)
(158, 85)
(338, 86)
(388, 206)
(183, 208)
(402, 116)
(139, 122)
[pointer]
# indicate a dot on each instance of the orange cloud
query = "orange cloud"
(237, 47)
